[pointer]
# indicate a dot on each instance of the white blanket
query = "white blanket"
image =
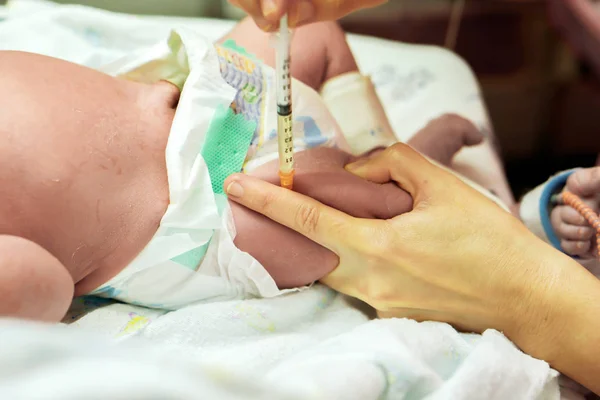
(315, 344)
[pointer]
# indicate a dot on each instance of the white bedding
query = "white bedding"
(316, 343)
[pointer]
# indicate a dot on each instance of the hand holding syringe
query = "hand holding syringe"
(267, 14)
(284, 106)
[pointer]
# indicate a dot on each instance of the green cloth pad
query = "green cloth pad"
(232, 45)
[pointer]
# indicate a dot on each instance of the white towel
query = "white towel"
(318, 341)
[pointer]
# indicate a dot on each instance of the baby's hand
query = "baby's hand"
(290, 258)
(576, 235)
(445, 136)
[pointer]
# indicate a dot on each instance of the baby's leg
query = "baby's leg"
(445, 136)
(322, 59)
(290, 258)
(33, 283)
(319, 51)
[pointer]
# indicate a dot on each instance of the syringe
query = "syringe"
(283, 80)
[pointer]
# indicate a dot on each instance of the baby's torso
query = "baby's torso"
(83, 170)
(94, 165)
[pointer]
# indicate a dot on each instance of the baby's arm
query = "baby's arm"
(577, 237)
(33, 283)
(290, 258)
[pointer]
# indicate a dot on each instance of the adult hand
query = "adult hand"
(577, 237)
(441, 261)
(457, 258)
(267, 13)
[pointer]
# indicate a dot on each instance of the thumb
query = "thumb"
(401, 164)
(273, 10)
(332, 10)
(585, 182)
(254, 9)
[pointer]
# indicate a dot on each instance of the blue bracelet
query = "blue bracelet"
(553, 186)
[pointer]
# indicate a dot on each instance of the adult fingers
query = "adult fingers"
(267, 13)
(401, 164)
(302, 12)
(321, 224)
(334, 9)
(254, 9)
(585, 182)
(273, 10)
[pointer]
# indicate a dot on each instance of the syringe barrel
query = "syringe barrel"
(285, 143)
(282, 67)
(283, 83)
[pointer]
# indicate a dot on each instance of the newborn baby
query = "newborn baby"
(86, 189)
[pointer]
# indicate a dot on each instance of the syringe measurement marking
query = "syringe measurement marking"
(285, 85)
(285, 128)
(285, 120)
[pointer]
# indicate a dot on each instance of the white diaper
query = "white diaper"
(192, 257)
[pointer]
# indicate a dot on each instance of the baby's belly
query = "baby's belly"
(116, 214)
(129, 215)
(82, 170)
(127, 218)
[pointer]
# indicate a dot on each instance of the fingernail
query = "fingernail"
(305, 12)
(234, 189)
(260, 22)
(264, 25)
(268, 7)
(357, 164)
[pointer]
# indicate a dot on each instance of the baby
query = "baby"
(105, 192)
(561, 225)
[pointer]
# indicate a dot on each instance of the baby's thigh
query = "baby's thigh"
(319, 51)
(290, 258)
(307, 67)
